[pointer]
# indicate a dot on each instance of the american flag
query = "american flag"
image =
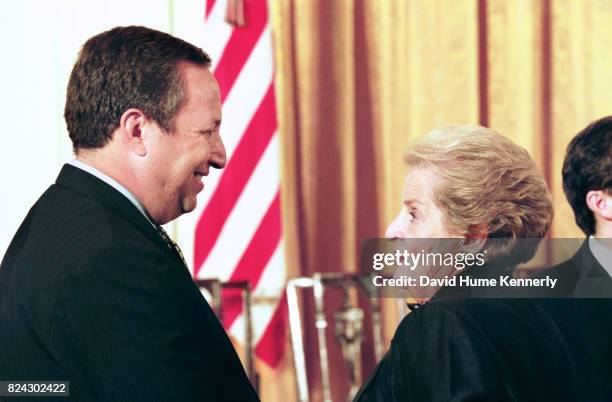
(238, 228)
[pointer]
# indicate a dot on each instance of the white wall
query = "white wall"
(40, 41)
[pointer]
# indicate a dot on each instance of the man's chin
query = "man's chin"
(188, 205)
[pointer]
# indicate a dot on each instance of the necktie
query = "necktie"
(171, 244)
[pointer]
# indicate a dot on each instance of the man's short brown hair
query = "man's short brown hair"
(125, 67)
(588, 166)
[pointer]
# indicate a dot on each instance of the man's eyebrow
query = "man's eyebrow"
(215, 125)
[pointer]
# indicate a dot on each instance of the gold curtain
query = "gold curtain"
(356, 79)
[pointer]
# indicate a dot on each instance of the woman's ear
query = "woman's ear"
(476, 237)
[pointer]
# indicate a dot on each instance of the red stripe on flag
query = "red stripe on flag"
(234, 177)
(271, 345)
(254, 259)
(209, 6)
(240, 45)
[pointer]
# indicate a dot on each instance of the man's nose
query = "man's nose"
(218, 158)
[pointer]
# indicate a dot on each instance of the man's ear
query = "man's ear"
(600, 202)
(131, 127)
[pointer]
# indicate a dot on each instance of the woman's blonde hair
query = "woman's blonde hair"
(487, 181)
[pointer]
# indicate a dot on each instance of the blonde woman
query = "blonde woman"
(471, 182)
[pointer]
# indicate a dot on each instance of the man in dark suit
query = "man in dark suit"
(92, 291)
(581, 304)
(587, 182)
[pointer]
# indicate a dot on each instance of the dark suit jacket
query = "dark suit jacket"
(91, 294)
(515, 349)
(582, 277)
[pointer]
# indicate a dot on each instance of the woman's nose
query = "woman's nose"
(396, 229)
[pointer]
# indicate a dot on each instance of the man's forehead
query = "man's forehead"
(199, 82)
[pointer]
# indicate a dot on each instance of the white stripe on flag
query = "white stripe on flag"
(217, 32)
(212, 35)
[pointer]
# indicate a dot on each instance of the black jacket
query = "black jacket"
(90, 293)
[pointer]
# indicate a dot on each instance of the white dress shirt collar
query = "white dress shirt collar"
(113, 183)
(602, 254)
